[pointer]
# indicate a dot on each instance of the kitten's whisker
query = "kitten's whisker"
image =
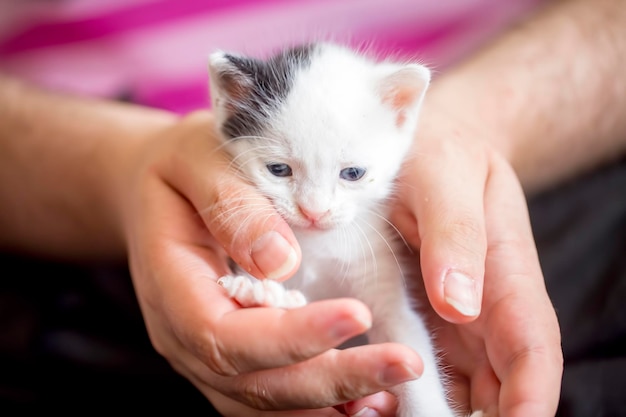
(236, 160)
(339, 260)
(345, 265)
(393, 253)
(393, 226)
(225, 202)
(223, 143)
(255, 137)
(401, 182)
(371, 250)
(349, 234)
(225, 217)
(243, 222)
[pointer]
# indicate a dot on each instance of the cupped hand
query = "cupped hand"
(462, 206)
(185, 209)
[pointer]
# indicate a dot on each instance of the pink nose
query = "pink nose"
(312, 215)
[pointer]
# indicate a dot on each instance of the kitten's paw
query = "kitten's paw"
(260, 293)
(478, 414)
(240, 288)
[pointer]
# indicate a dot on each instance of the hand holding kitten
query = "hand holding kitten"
(243, 360)
(463, 207)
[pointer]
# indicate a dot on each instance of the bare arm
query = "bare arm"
(84, 179)
(63, 161)
(550, 94)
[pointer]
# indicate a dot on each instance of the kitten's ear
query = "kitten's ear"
(403, 90)
(230, 81)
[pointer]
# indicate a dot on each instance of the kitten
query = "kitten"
(322, 132)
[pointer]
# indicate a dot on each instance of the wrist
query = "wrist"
(452, 110)
(65, 162)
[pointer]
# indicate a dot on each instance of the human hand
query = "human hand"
(184, 210)
(460, 204)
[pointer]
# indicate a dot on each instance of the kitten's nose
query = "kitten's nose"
(313, 215)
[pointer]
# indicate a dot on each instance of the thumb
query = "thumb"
(243, 222)
(250, 230)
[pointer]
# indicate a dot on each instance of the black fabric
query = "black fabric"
(580, 230)
(72, 338)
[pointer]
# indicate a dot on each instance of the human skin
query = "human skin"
(549, 94)
(548, 99)
(133, 181)
(154, 189)
(96, 180)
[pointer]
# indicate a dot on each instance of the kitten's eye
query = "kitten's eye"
(280, 170)
(352, 173)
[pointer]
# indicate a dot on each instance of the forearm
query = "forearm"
(551, 93)
(62, 166)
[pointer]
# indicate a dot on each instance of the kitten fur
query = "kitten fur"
(322, 131)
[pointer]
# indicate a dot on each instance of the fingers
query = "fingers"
(245, 223)
(231, 408)
(527, 360)
(485, 390)
(262, 338)
(335, 377)
(325, 379)
(526, 357)
(231, 340)
(447, 201)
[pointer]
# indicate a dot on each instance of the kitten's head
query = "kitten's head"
(320, 130)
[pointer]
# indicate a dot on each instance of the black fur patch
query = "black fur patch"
(269, 82)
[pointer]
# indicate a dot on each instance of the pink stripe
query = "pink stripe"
(181, 98)
(142, 62)
(406, 42)
(116, 22)
(439, 44)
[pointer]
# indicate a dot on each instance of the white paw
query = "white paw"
(250, 292)
(477, 414)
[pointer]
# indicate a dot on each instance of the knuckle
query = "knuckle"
(343, 392)
(213, 354)
(467, 233)
(346, 390)
(295, 351)
(255, 392)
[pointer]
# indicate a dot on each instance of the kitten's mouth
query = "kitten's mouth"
(310, 225)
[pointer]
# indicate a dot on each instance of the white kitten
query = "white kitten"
(322, 132)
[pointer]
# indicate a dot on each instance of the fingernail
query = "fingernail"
(366, 412)
(396, 374)
(461, 293)
(273, 255)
